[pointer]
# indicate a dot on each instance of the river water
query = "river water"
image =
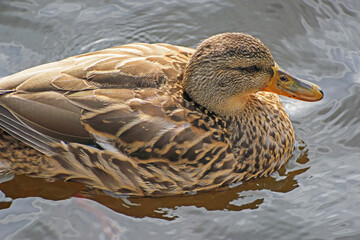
(315, 196)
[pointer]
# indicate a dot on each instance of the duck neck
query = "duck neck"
(233, 108)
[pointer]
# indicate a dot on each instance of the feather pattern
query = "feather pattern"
(119, 119)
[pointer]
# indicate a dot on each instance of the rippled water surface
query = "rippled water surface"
(315, 196)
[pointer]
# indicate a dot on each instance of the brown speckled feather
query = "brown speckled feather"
(119, 120)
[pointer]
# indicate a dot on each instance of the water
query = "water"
(315, 196)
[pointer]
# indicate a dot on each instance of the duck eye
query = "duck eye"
(251, 69)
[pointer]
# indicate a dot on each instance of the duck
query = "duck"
(151, 120)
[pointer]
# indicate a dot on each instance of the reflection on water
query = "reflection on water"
(315, 196)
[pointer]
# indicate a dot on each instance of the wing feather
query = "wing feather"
(52, 99)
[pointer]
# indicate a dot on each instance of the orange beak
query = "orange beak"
(284, 84)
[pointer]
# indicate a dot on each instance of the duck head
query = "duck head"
(227, 68)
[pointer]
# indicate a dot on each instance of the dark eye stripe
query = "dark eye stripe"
(248, 69)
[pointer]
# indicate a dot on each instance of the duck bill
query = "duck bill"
(286, 85)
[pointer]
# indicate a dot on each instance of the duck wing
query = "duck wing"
(47, 104)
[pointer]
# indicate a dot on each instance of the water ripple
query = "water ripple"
(314, 197)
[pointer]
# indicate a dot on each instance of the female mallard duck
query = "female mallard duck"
(152, 119)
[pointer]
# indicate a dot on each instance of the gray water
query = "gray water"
(315, 196)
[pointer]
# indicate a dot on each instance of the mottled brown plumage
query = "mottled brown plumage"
(152, 119)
